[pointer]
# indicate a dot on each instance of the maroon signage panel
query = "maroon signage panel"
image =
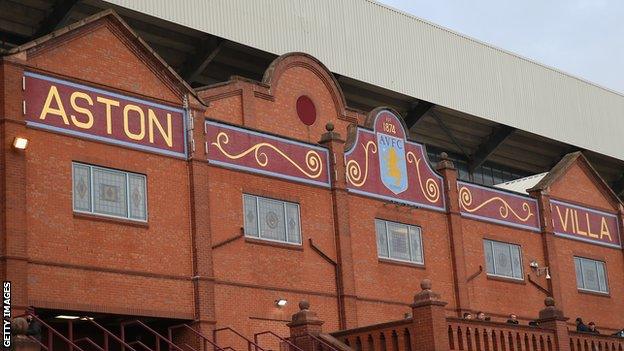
(382, 163)
(585, 224)
(75, 109)
(239, 148)
(497, 206)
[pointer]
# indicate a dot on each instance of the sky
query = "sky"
(584, 38)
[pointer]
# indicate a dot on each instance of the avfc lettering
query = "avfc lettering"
(392, 163)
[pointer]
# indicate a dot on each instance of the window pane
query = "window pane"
(415, 244)
(272, 224)
(502, 259)
(82, 188)
(590, 275)
(382, 239)
(251, 215)
(602, 277)
(516, 264)
(137, 196)
(579, 273)
(292, 223)
(109, 188)
(399, 246)
(489, 258)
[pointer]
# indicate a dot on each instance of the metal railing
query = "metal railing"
(205, 339)
(108, 334)
(268, 332)
(53, 332)
(156, 335)
(250, 344)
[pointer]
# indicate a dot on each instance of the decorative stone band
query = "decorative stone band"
(74, 109)
(585, 224)
(383, 164)
(243, 149)
(497, 206)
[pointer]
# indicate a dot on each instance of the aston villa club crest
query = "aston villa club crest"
(392, 164)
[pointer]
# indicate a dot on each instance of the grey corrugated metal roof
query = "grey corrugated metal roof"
(521, 185)
(373, 43)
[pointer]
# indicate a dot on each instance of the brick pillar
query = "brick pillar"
(13, 172)
(19, 340)
(552, 318)
(304, 323)
(621, 221)
(549, 244)
(345, 280)
(202, 276)
(429, 326)
(456, 236)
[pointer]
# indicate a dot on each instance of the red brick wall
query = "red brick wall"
(71, 262)
(578, 186)
(499, 297)
(83, 262)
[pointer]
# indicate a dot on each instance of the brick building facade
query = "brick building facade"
(325, 177)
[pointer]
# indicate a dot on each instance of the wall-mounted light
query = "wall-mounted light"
(540, 270)
(20, 143)
(281, 302)
(63, 316)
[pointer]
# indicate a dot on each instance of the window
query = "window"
(109, 192)
(270, 219)
(503, 260)
(591, 275)
(398, 241)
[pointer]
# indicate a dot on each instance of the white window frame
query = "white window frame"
(491, 242)
(604, 268)
(259, 237)
(418, 228)
(92, 192)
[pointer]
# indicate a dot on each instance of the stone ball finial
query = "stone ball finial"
(444, 156)
(329, 127)
(549, 301)
(425, 284)
(304, 305)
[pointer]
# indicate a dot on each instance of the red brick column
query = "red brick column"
(549, 243)
(202, 276)
(13, 170)
(552, 318)
(345, 279)
(448, 171)
(621, 220)
(429, 326)
(304, 323)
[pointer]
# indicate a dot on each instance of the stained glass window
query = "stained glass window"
(271, 219)
(503, 259)
(590, 275)
(109, 192)
(399, 241)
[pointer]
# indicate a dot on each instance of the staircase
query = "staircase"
(86, 334)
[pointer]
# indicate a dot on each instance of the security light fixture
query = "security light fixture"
(281, 302)
(540, 270)
(63, 316)
(20, 143)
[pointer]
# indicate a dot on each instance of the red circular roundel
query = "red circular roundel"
(306, 110)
